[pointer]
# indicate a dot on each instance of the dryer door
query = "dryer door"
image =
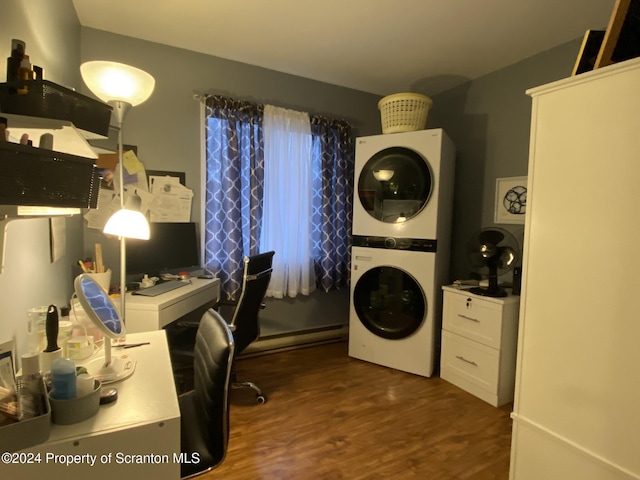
(389, 302)
(395, 184)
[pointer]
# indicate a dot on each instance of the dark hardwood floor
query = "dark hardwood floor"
(332, 417)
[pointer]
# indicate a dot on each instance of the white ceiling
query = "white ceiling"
(377, 46)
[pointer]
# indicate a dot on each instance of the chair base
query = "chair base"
(261, 398)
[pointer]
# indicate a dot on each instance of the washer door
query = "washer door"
(395, 184)
(389, 302)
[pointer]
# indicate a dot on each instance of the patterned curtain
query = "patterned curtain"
(234, 187)
(333, 152)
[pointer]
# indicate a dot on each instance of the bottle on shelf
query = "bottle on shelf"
(31, 387)
(25, 72)
(13, 62)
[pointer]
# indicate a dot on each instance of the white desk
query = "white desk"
(153, 313)
(145, 420)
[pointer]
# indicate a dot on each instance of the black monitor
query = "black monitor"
(171, 248)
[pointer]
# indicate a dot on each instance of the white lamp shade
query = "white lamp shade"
(112, 81)
(383, 175)
(128, 224)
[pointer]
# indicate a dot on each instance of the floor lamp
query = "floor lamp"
(122, 87)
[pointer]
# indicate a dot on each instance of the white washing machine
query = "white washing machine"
(404, 183)
(395, 306)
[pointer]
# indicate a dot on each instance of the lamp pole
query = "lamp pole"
(120, 110)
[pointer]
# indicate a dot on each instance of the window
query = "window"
(260, 177)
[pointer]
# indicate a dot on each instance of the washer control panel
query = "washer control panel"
(395, 243)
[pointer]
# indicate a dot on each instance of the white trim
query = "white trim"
(584, 452)
(585, 77)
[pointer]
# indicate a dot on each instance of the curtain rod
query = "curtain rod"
(202, 97)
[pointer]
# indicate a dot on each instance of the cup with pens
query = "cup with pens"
(97, 269)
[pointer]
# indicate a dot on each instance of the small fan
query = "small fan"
(491, 252)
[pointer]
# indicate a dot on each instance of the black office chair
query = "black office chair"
(244, 323)
(204, 411)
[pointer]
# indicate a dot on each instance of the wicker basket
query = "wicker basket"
(404, 112)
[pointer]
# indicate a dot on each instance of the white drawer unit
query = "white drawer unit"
(479, 337)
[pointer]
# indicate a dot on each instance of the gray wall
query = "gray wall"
(488, 119)
(52, 33)
(167, 128)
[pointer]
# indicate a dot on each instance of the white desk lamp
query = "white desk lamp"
(122, 87)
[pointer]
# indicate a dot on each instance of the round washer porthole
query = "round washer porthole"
(389, 302)
(395, 184)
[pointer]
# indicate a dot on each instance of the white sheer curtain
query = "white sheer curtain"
(287, 207)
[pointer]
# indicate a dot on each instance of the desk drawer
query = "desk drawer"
(153, 313)
(186, 305)
(469, 361)
(472, 318)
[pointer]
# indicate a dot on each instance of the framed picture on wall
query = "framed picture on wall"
(622, 38)
(589, 50)
(511, 200)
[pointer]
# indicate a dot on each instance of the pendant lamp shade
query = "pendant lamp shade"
(112, 81)
(128, 224)
(129, 221)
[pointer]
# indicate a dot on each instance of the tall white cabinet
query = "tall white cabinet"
(577, 401)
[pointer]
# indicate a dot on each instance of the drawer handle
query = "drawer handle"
(470, 362)
(469, 318)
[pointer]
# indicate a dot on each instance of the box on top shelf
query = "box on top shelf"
(45, 99)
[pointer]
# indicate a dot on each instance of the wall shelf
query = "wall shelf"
(67, 137)
(38, 177)
(64, 179)
(44, 99)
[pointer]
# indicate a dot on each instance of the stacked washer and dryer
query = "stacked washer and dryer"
(401, 247)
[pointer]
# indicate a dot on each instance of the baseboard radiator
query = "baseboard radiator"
(299, 339)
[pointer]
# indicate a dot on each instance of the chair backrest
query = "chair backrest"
(255, 280)
(213, 358)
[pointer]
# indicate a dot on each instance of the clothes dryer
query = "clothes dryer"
(404, 184)
(395, 304)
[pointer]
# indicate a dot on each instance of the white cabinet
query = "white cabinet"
(577, 402)
(479, 337)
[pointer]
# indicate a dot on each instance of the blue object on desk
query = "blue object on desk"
(63, 379)
(161, 288)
